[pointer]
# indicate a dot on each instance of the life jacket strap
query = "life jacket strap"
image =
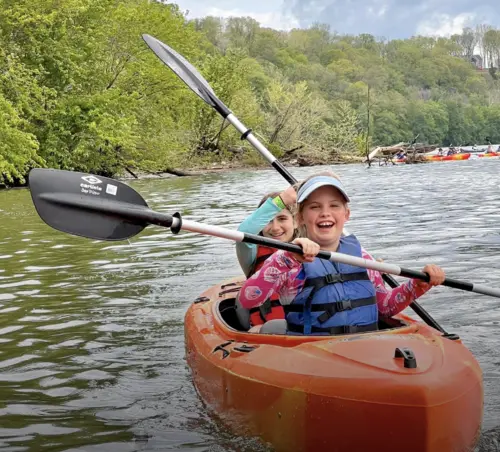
(330, 309)
(346, 305)
(265, 308)
(347, 329)
(334, 278)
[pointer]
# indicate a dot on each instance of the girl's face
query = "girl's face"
(281, 227)
(324, 214)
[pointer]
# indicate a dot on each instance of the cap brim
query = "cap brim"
(303, 196)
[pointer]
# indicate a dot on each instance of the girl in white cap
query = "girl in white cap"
(320, 296)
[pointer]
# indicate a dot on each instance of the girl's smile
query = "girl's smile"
(282, 227)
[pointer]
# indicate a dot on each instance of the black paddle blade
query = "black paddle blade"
(85, 205)
(186, 72)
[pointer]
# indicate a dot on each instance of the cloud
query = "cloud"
(394, 18)
(381, 18)
(273, 19)
(269, 13)
(444, 24)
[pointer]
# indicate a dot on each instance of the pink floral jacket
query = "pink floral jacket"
(284, 275)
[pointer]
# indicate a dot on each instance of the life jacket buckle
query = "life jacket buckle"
(344, 305)
(332, 279)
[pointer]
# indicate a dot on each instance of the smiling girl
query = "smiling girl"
(324, 297)
(273, 219)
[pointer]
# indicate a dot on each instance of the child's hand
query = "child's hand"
(310, 250)
(289, 196)
(435, 273)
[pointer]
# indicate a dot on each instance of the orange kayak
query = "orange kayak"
(334, 393)
(445, 158)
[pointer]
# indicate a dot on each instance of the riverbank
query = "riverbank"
(219, 167)
(223, 167)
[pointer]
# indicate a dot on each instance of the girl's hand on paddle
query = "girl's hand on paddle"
(309, 248)
(289, 196)
(435, 273)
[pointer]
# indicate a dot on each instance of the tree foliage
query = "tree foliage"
(80, 90)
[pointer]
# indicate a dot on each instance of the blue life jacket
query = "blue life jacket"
(336, 298)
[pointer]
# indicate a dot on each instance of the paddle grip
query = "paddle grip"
(477, 288)
(278, 166)
(407, 273)
(152, 217)
(453, 283)
(218, 105)
(414, 274)
(462, 285)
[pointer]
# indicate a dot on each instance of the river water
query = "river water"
(91, 333)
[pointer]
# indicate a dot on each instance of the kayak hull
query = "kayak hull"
(340, 393)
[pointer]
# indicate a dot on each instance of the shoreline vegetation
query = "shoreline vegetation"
(80, 90)
(223, 166)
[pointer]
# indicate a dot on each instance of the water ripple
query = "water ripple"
(92, 355)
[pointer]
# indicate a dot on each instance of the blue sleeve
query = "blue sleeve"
(253, 224)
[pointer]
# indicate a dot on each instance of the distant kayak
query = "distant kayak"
(461, 156)
(404, 387)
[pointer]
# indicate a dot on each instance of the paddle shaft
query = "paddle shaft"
(343, 258)
(144, 215)
(252, 139)
(246, 134)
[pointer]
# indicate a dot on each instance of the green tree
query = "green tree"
(18, 149)
(342, 138)
(294, 116)
(429, 120)
(80, 90)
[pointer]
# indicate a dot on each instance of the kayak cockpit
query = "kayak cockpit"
(227, 310)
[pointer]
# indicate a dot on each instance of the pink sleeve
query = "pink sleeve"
(276, 273)
(392, 301)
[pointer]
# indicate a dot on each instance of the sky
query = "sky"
(382, 18)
